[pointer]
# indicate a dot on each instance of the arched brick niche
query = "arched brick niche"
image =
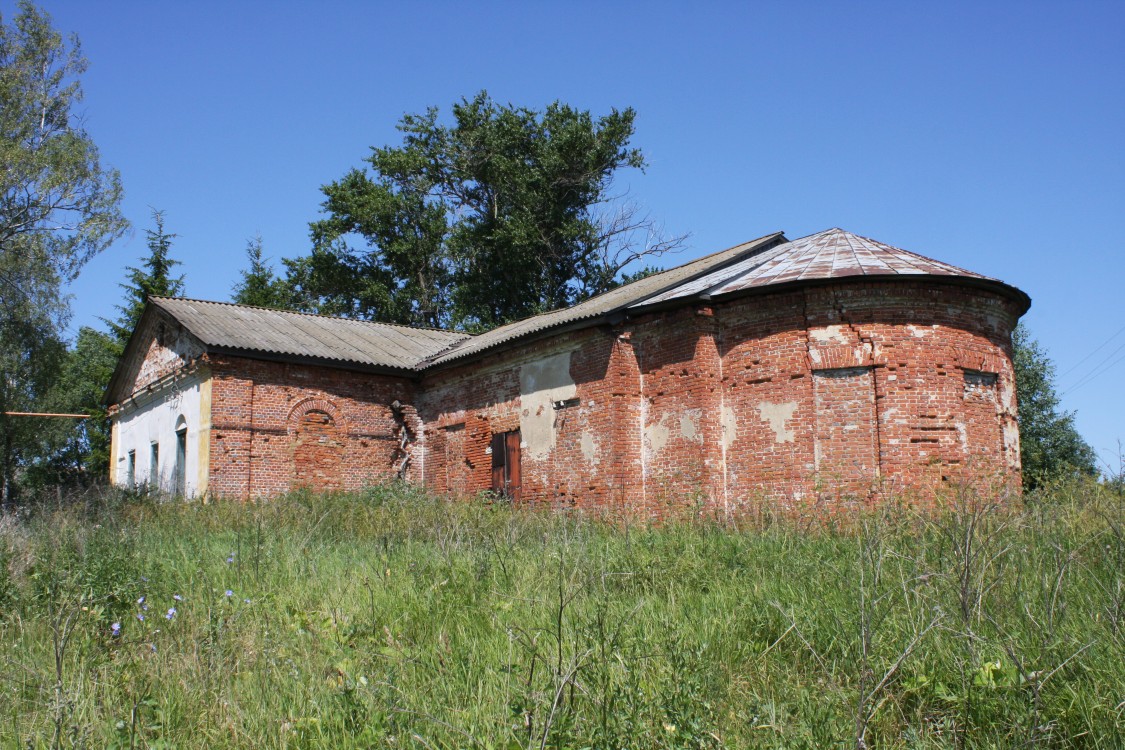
(318, 437)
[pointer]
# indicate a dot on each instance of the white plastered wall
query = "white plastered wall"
(141, 424)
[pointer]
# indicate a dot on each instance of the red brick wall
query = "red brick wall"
(825, 395)
(277, 426)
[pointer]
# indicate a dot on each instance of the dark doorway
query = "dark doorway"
(506, 464)
(180, 484)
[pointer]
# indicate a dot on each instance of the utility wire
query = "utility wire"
(1099, 369)
(1100, 347)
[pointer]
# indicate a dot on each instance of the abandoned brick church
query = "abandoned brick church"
(831, 365)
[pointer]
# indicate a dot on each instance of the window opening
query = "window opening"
(131, 470)
(154, 466)
(978, 383)
(181, 461)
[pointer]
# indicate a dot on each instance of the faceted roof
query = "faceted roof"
(831, 254)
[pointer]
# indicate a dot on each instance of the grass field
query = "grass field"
(393, 619)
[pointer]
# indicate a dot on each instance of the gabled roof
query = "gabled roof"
(827, 255)
(768, 262)
(609, 303)
(240, 328)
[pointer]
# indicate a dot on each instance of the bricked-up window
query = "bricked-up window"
(980, 384)
(845, 447)
(318, 452)
(506, 464)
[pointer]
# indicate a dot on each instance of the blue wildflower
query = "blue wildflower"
(141, 600)
(171, 613)
(228, 593)
(177, 597)
(230, 559)
(115, 629)
(140, 617)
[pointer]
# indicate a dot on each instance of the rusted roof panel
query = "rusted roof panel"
(256, 329)
(830, 254)
(605, 304)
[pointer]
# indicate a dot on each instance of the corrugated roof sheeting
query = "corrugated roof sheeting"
(766, 261)
(603, 304)
(257, 329)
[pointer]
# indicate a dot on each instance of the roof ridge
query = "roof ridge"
(311, 315)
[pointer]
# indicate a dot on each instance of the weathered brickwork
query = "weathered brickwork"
(277, 426)
(824, 395)
(819, 395)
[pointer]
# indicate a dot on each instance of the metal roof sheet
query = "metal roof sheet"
(607, 303)
(830, 254)
(257, 329)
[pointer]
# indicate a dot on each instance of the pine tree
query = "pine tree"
(259, 286)
(1050, 446)
(153, 279)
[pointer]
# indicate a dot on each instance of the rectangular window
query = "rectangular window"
(181, 461)
(506, 464)
(979, 383)
(154, 466)
(131, 470)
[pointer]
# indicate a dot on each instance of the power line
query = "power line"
(1099, 369)
(1100, 347)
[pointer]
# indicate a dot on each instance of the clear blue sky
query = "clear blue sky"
(986, 134)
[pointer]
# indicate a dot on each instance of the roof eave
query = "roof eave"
(1021, 298)
(612, 315)
(299, 359)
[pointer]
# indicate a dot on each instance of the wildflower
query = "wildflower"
(141, 600)
(228, 593)
(245, 601)
(177, 597)
(230, 559)
(115, 629)
(145, 579)
(153, 647)
(171, 613)
(140, 617)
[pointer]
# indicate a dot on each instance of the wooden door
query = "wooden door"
(506, 464)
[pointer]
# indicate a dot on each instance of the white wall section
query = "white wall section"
(140, 424)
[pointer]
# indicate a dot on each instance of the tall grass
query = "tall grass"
(391, 618)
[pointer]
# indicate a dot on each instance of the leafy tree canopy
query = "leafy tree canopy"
(58, 205)
(502, 214)
(1050, 446)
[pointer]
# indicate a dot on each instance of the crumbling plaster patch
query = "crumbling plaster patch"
(542, 383)
(777, 415)
(730, 426)
(828, 334)
(657, 434)
(589, 448)
(689, 425)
